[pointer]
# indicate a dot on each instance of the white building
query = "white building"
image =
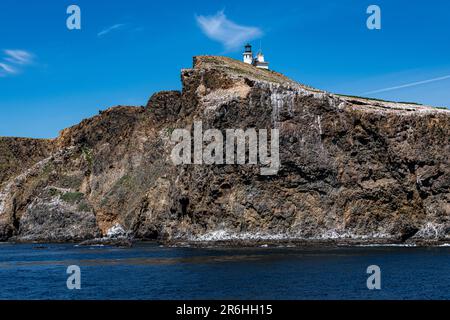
(248, 54)
(257, 61)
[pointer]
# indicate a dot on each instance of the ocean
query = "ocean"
(150, 271)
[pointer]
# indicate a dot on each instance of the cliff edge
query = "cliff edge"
(352, 169)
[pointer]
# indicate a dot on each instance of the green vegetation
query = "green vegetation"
(122, 189)
(375, 99)
(53, 192)
(242, 69)
(126, 181)
(71, 182)
(72, 197)
(83, 207)
(381, 100)
(48, 168)
(87, 154)
(169, 131)
(414, 103)
(69, 197)
(104, 201)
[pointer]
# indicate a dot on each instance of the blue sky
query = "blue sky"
(52, 77)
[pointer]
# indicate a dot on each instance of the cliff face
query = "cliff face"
(351, 168)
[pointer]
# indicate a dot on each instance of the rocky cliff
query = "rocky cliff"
(352, 169)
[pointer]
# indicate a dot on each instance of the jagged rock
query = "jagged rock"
(17, 154)
(352, 169)
(165, 105)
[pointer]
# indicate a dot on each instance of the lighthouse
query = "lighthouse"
(257, 61)
(248, 54)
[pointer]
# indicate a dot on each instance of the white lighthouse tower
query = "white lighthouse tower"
(248, 54)
(257, 61)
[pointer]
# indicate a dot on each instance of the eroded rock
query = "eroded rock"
(352, 169)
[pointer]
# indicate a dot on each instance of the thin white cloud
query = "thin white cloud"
(115, 27)
(6, 69)
(217, 27)
(412, 84)
(21, 57)
(14, 60)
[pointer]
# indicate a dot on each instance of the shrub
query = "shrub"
(72, 197)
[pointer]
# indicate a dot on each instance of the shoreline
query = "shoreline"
(242, 243)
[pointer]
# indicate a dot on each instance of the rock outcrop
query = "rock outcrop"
(352, 169)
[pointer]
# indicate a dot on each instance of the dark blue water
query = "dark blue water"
(148, 271)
